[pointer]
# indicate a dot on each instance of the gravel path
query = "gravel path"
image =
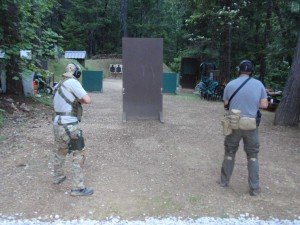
(146, 169)
(154, 221)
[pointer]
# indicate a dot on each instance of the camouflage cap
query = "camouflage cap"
(70, 69)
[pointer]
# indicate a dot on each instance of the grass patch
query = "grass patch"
(165, 204)
(194, 199)
(44, 99)
(57, 66)
(161, 204)
(101, 65)
(2, 118)
(2, 138)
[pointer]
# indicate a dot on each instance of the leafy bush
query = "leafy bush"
(44, 99)
(277, 76)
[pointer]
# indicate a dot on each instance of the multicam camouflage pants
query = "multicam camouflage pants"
(61, 141)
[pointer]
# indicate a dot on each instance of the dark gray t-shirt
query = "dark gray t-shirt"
(247, 98)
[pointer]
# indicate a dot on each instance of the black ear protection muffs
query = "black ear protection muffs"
(77, 72)
(246, 66)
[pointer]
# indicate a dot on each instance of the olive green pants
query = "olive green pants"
(251, 147)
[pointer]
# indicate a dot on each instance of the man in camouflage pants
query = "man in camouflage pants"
(68, 97)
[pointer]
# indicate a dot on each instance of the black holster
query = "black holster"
(76, 143)
(258, 118)
(226, 107)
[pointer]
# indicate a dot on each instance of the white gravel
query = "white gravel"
(154, 221)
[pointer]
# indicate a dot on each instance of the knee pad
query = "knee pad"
(228, 157)
(61, 152)
(252, 157)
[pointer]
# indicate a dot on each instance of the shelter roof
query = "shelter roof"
(75, 54)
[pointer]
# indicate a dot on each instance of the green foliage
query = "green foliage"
(35, 35)
(49, 44)
(175, 12)
(189, 28)
(280, 50)
(248, 21)
(44, 99)
(278, 75)
(23, 28)
(92, 26)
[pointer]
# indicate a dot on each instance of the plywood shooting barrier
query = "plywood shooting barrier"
(142, 78)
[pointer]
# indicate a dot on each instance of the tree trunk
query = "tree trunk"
(13, 77)
(225, 52)
(288, 111)
(262, 55)
(11, 37)
(92, 43)
(225, 45)
(124, 10)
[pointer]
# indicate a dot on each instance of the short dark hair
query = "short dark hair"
(246, 66)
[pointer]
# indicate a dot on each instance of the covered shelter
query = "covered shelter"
(190, 72)
(78, 55)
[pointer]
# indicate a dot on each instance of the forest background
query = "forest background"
(220, 31)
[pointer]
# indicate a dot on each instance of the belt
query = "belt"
(64, 114)
(66, 124)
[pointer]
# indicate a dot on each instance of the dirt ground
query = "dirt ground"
(144, 168)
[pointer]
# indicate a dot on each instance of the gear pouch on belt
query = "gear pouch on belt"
(247, 123)
(76, 142)
(234, 117)
(226, 126)
(77, 110)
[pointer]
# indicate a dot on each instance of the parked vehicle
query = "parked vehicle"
(210, 89)
(273, 99)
